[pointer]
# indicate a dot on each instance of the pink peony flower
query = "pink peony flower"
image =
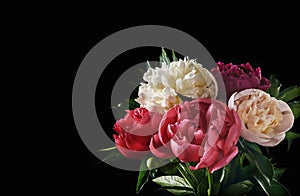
(265, 119)
(135, 131)
(240, 77)
(203, 131)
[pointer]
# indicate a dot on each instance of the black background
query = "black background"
(268, 41)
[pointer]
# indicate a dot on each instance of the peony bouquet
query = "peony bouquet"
(207, 132)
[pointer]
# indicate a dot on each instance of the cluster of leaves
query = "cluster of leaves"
(289, 95)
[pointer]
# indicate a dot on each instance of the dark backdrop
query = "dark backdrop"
(270, 43)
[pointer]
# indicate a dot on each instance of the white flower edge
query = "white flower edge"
(278, 134)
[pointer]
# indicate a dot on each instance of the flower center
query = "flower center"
(259, 112)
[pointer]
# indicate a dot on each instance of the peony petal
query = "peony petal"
(186, 152)
(225, 160)
(158, 149)
(274, 141)
(232, 138)
(288, 117)
(207, 160)
(231, 101)
(257, 137)
(139, 143)
(212, 138)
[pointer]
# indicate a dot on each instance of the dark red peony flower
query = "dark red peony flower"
(240, 77)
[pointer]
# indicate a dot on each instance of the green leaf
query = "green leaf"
(232, 171)
(203, 185)
(274, 89)
(143, 176)
(188, 174)
(174, 56)
(164, 57)
(273, 189)
(133, 104)
(277, 189)
(289, 93)
(263, 183)
(169, 169)
(264, 166)
(108, 149)
(113, 154)
(238, 189)
(180, 191)
(260, 162)
(253, 146)
(295, 107)
(218, 177)
(148, 65)
(278, 172)
(290, 136)
(172, 181)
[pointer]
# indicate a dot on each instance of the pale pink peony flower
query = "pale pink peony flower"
(265, 119)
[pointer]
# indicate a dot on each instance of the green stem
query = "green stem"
(242, 157)
(209, 177)
(184, 171)
(241, 143)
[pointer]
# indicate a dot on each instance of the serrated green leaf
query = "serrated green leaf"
(290, 136)
(277, 189)
(237, 189)
(274, 89)
(289, 93)
(295, 107)
(171, 181)
(278, 172)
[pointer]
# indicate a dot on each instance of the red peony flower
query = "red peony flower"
(135, 131)
(203, 131)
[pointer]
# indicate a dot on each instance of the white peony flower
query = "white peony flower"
(265, 119)
(157, 98)
(166, 83)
